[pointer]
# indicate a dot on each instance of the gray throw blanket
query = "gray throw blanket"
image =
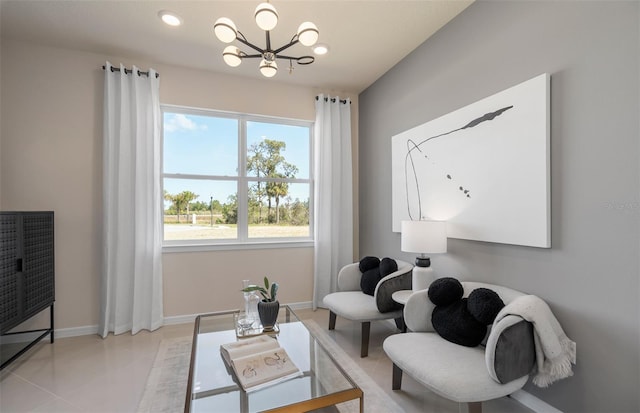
(555, 352)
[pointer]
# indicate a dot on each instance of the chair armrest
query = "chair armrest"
(349, 277)
(417, 312)
(510, 352)
(396, 281)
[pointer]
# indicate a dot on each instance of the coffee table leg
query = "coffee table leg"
(244, 402)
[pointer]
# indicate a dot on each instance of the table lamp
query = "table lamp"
(424, 237)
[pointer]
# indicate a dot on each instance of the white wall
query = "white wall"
(51, 159)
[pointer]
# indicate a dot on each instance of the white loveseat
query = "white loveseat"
(351, 303)
(463, 374)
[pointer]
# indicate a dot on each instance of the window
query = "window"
(235, 179)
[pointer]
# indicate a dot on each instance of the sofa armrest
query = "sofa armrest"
(396, 281)
(349, 277)
(417, 312)
(510, 352)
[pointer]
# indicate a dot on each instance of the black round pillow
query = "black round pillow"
(454, 323)
(445, 291)
(484, 304)
(369, 263)
(369, 280)
(388, 266)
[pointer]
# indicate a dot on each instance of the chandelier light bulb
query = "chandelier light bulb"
(225, 30)
(268, 69)
(308, 34)
(266, 16)
(232, 56)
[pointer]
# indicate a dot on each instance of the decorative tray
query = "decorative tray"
(253, 331)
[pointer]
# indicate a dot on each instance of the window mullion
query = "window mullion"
(243, 188)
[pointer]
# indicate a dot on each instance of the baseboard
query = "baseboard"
(533, 403)
(75, 331)
(171, 320)
(179, 319)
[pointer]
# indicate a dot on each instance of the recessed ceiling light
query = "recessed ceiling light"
(170, 18)
(321, 49)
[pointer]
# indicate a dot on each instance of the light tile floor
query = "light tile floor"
(89, 374)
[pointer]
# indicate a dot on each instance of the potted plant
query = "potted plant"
(269, 306)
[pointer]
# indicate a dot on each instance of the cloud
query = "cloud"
(179, 122)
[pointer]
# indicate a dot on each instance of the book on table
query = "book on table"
(259, 362)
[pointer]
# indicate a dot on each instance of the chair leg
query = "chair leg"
(475, 407)
(396, 381)
(364, 346)
(332, 320)
(400, 324)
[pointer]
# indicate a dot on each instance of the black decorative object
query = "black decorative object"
(268, 312)
(462, 320)
(26, 274)
(369, 280)
(269, 306)
(373, 270)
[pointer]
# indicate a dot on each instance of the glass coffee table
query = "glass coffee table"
(212, 388)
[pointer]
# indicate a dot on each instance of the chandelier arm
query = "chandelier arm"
(286, 46)
(302, 60)
(251, 45)
(251, 56)
(238, 34)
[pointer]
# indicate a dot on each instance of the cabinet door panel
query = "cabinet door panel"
(38, 265)
(9, 311)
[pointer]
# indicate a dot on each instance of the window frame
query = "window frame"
(243, 181)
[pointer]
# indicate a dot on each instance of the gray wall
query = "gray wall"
(590, 275)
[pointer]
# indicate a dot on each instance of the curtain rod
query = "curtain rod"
(333, 100)
(129, 71)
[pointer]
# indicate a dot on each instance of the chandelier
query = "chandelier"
(267, 19)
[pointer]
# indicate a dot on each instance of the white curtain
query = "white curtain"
(333, 194)
(131, 296)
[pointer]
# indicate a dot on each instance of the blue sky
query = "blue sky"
(204, 145)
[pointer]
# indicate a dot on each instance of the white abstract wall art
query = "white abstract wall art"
(484, 168)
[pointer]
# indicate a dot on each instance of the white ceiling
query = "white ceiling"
(366, 38)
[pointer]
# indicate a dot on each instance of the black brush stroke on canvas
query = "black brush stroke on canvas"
(409, 160)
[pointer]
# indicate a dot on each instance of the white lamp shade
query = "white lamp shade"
(225, 30)
(424, 237)
(231, 56)
(308, 34)
(268, 69)
(266, 16)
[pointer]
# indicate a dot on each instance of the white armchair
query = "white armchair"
(351, 303)
(463, 374)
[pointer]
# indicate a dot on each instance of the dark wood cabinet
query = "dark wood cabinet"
(27, 273)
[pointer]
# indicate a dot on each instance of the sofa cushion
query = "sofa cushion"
(354, 305)
(455, 372)
(395, 281)
(510, 351)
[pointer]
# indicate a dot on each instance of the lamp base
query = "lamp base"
(422, 277)
(423, 262)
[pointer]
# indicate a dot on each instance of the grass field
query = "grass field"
(174, 232)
